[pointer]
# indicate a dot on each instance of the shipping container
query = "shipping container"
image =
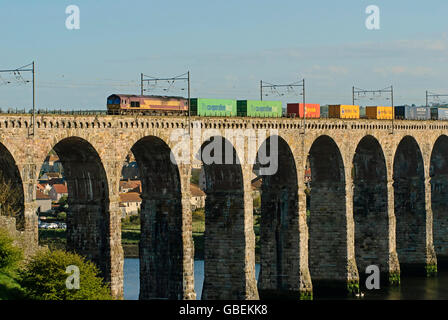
(439, 113)
(324, 111)
(412, 113)
(256, 108)
(343, 111)
(295, 110)
(213, 107)
(362, 112)
(379, 112)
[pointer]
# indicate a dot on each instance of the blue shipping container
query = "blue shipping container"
(412, 113)
(439, 113)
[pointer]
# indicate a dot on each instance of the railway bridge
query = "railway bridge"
(378, 195)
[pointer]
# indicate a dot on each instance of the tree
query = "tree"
(44, 278)
(10, 197)
(10, 255)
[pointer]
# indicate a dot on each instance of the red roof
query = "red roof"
(135, 185)
(196, 191)
(130, 197)
(60, 188)
(41, 196)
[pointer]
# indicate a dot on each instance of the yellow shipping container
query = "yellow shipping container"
(343, 111)
(379, 112)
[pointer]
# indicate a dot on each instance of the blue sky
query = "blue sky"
(228, 46)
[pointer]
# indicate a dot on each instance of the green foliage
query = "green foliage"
(431, 270)
(11, 198)
(353, 287)
(306, 295)
(44, 278)
(195, 177)
(257, 202)
(394, 279)
(63, 200)
(10, 255)
(9, 288)
(198, 217)
(62, 216)
(131, 222)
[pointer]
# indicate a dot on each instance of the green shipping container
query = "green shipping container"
(213, 107)
(262, 109)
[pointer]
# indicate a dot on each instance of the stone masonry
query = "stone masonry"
(378, 195)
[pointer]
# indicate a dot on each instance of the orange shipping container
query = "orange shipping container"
(380, 113)
(343, 111)
(312, 110)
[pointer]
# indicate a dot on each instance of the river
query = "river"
(419, 288)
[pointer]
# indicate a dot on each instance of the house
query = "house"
(130, 186)
(51, 159)
(43, 201)
(57, 181)
(44, 188)
(58, 191)
(47, 176)
(197, 199)
(130, 203)
(307, 175)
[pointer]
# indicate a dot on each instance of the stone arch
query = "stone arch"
(370, 207)
(229, 242)
(279, 225)
(409, 205)
(88, 216)
(161, 245)
(438, 174)
(328, 257)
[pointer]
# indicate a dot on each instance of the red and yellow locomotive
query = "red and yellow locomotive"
(146, 105)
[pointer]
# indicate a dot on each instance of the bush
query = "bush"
(44, 278)
(62, 216)
(10, 255)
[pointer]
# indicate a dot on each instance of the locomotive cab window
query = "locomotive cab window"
(135, 104)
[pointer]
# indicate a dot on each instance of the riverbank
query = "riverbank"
(130, 236)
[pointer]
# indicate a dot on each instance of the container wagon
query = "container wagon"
(438, 113)
(362, 112)
(379, 112)
(324, 111)
(296, 110)
(261, 109)
(343, 111)
(412, 113)
(213, 107)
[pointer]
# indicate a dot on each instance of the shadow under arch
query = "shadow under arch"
(229, 242)
(161, 248)
(88, 216)
(328, 259)
(279, 224)
(409, 206)
(11, 188)
(438, 173)
(370, 208)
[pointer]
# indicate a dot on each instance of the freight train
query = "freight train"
(170, 105)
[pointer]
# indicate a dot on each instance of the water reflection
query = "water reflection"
(412, 288)
(132, 284)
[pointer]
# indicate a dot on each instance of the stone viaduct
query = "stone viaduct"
(378, 195)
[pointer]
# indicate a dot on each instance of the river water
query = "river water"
(420, 288)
